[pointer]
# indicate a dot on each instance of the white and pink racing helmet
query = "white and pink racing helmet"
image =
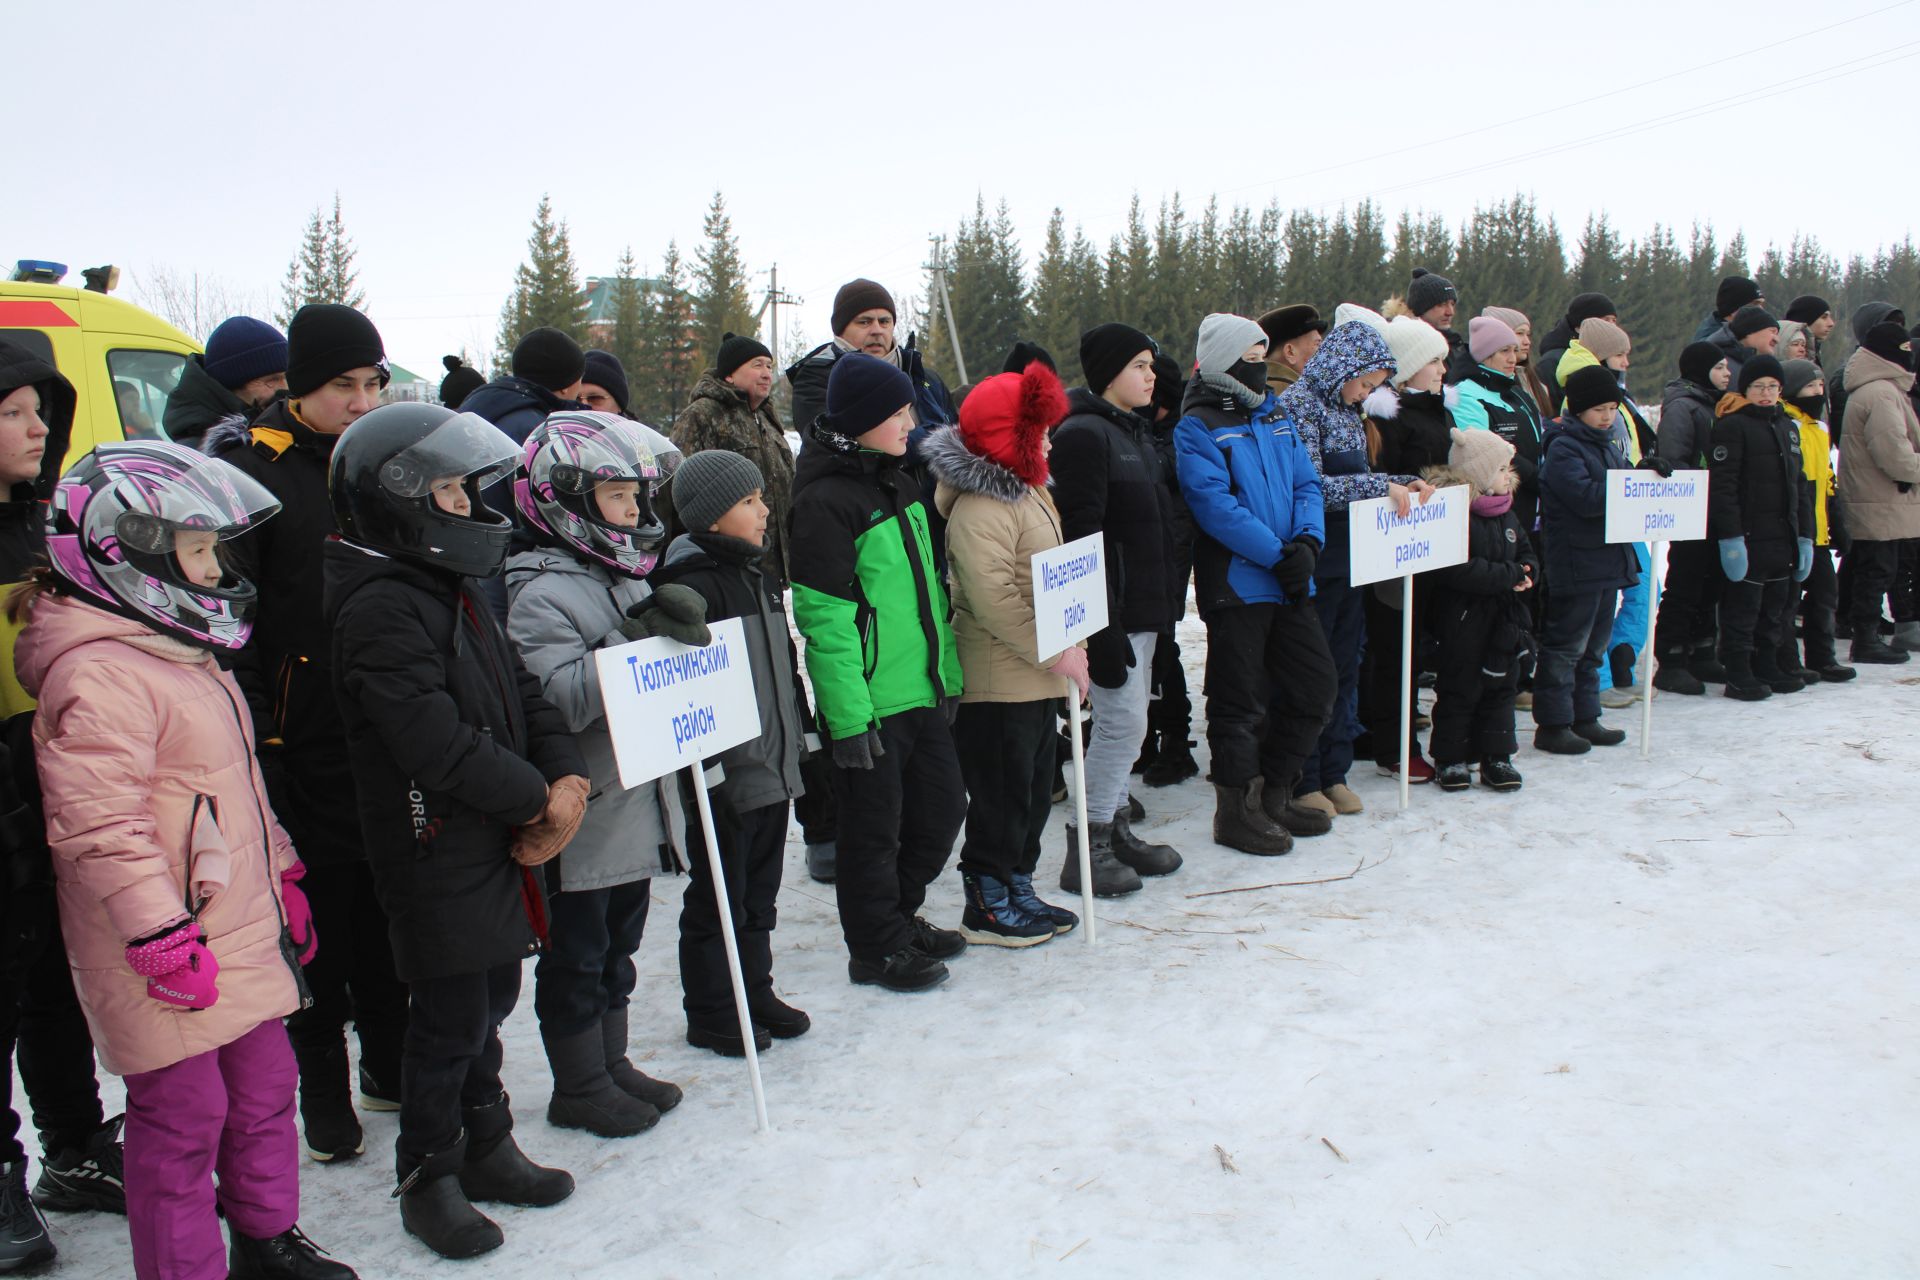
(110, 536)
(566, 456)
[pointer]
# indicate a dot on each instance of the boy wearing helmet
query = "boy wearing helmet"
(586, 501)
(467, 780)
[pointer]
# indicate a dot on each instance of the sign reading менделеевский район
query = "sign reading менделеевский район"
(1432, 535)
(670, 705)
(1069, 593)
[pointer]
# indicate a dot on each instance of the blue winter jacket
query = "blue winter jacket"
(1574, 461)
(1251, 487)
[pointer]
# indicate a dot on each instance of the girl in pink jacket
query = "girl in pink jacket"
(183, 920)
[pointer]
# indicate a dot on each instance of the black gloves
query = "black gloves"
(950, 707)
(1295, 566)
(676, 612)
(1658, 465)
(859, 751)
(1109, 655)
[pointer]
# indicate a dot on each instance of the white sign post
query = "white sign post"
(1385, 544)
(1643, 506)
(1070, 604)
(669, 706)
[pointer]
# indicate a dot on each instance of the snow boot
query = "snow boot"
(820, 860)
(1316, 802)
(1240, 821)
(331, 1130)
(1598, 734)
(1149, 752)
(1560, 740)
(1296, 815)
(1620, 665)
(908, 969)
(1346, 802)
(661, 1095)
(1135, 810)
(1771, 674)
(1112, 878)
(1830, 671)
(993, 919)
(1146, 858)
(935, 943)
(496, 1169)
(375, 1095)
(435, 1208)
(1672, 676)
(782, 1020)
(584, 1095)
(1020, 889)
(76, 1179)
(24, 1241)
(1743, 683)
(1499, 774)
(1906, 636)
(1455, 776)
(287, 1256)
(1702, 663)
(724, 1037)
(1872, 649)
(1173, 764)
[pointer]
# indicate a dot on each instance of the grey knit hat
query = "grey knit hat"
(1223, 338)
(708, 484)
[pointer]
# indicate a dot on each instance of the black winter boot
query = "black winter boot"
(821, 860)
(1599, 734)
(1240, 821)
(584, 1095)
(658, 1094)
(1173, 764)
(1672, 675)
(1454, 777)
(1870, 648)
(1771, 674)
(1560, 740)
(908, 969)
(724, 1037)
(496, 1169)
(434, 1207)
(1146, 858)
(1284, 809)
(1703, 664)
(1112, 878)
(1620, 665)
(1499, 774)
(25, 1243)
(332, 1131)
(1149, 752)
(93, 1176)
(1742, 683)
(287, 1256)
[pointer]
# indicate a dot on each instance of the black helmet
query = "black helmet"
(385, 467)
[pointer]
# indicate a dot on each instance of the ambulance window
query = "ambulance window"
(142, 381)
(33, 340)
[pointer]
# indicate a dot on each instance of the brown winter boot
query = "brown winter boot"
(1240, 821)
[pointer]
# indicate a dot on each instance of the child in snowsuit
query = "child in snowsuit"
(886, 680)
(467, 780)
(586, 503)
(722, 560)
(1480, 614)
(178, 890)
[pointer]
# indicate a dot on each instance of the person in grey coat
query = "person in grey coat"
(585, 502)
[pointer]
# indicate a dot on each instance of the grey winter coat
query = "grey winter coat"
(559, 610)
(1686, 423)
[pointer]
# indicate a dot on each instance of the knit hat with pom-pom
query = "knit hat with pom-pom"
(462, 380)
(1006, 417)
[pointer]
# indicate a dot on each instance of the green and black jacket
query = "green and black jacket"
(866, 595)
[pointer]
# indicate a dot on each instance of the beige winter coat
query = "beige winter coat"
(1879, 451)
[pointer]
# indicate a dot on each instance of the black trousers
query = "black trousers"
(452, 1058)
(1816, 601)
(1688, 599)
(816, 810)
(352, 980)
(587, 967)
(44, 1032)
(1472, 711)
(1169, 705)
(1270, 689)
(1755, 619)
(752, 845)
(898, 821)
(1006, 758)
(1875, 569)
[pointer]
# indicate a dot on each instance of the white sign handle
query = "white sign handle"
(725, 906)
(1646, 654)
(1406, 689)
(1080, 811)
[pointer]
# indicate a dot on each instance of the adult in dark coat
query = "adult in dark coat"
(1547, 353)
(1685, 637)
(1734, 293)
(244, 367)
(1166, 757)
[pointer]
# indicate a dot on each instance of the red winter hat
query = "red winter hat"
(1004, 418)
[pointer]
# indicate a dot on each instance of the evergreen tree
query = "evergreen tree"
(721, 304)
(546, 287)
(1303, 268)
(629, 316)
(1599, 263)
(986, 284)
(1057, 322)
(669, 357)
(322, 269)
(342, 278)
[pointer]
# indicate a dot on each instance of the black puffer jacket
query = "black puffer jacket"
(1482, 622)
(1415, 430)
(1686, 423)
(286, 668)
(1106, 480)
(452, 747)
(1759, 489)
(198, 401)
(23, 534)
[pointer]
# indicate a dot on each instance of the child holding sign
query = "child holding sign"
(724, 558)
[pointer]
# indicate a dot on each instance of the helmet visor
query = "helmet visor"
(182, 492)
(465, 445)
(620, 450)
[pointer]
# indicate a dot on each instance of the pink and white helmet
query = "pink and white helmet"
(111, 527)
(566, 456)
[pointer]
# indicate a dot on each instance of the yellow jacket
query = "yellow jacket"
(1816, 453)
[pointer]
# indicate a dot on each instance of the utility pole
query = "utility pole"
(772, 303)
(942, 299)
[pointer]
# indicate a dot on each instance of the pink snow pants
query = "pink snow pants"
(227, 1111)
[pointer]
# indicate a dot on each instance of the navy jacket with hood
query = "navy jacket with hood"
(1574, 461)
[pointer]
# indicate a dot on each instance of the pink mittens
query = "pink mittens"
(299, 913)
(178, 969)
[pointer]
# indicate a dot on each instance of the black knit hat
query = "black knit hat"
(856, 296)
(1169, 384)
(1750, 320)
(1024, 353)
(604, 370)
(462, 380)
(1428, 291)
(1807, 308)
(1106, 349)
(1890, 341)
(1591, 385)
(1734, 293)
(1294, 320)
(326, 340)
(1697, 361)
(708, 484)
(548, 358)
(1589, 306)
(736, 351)
(863, 391)
(1757, 367)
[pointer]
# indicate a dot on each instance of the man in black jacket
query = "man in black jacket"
(1166, 756)
(335, 370)
(244, 367)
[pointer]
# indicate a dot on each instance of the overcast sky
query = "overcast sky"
(199, 138)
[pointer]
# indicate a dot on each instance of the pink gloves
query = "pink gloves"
(299, 914)
(178, 969)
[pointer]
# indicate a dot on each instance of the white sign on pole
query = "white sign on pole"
(1645, 507)
(669, 705)
(1069, 593)
(1432, 535)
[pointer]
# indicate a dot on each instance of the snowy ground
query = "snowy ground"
(1641, 1019)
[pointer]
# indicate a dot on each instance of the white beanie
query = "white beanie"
(1365, 315)
(1415, 345)
(1223, 339)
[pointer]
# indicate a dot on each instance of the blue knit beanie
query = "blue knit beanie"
(243, 349)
